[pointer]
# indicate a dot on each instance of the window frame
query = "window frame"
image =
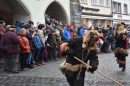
(126, 9)
(101, 4)
(114, 6)
(94, 2)
(117, 7)
(83, 2)
(109, 3)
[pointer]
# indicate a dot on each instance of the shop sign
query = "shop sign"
(119, 16)
(77, 13)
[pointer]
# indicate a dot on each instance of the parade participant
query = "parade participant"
(120, 49)
(83, 48)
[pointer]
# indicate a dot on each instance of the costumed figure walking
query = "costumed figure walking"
(120, 49)
(84, 48)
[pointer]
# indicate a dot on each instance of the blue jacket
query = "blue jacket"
(19, 26)
(81, 32)
(66, 34)
(36, 42)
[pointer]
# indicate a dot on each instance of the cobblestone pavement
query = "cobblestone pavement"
(50, 75)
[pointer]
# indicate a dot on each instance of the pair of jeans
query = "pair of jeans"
(37, 54)
(23, 59)
(29, 58)
(113, 45)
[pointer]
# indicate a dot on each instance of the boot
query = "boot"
(30, 66)
(123, 69)
(42, 62)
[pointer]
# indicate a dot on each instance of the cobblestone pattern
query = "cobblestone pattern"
(50, 75)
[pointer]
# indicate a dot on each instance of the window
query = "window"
(114, 7)
(83, 1)
(118, 7)
(94, 2)
(125, 9)
(101, 2)
(108, 2)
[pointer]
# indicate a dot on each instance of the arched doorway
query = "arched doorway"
(12, 10)
(56, 10)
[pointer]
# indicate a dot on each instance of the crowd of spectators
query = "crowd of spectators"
(35, 46)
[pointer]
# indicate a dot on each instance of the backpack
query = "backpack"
(78, 31)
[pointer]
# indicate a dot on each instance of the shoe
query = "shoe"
(15, 72)
(42, 62)
(123, 69)
(27, 68)
(34, 65)
(24, 69)
(38, 64)
(30, 66)
(5, 70)
(56, 59)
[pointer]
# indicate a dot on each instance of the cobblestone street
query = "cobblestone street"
(50, 75)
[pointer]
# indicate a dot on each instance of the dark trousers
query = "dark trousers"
(122, 58)
(10, 63)
(37, 54)
(42, 52)
(77, 81)
(52, 53)
(23, 58)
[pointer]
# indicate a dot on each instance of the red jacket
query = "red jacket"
(71, 34)
(24, 44)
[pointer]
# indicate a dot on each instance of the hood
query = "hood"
(20, 34)
(20, 22)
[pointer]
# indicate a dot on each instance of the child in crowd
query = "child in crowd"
(37, 45)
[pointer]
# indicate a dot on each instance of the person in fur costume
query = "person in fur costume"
(120, 49)
(83, 48)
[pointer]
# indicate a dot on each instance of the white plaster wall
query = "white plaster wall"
(38, 7)
(124, 17)
(103, 9)
(122, 5)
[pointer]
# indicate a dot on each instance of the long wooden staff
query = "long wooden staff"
(99, 72)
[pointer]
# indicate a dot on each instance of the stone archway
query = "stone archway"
(56, 10)
(12, 10)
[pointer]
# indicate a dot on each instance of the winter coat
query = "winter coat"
(24, 44)
(42, 38)
(52, 40)
(36, 42)
(72, 34)
(29, 37)
(66, 34)
(19, 26)
(11, 42)
(81, 32)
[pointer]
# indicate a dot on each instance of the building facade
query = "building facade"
(34, 10)
(96, 12)
(120, 11)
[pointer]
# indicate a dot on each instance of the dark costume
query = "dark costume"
(120, 49)
(83, 48)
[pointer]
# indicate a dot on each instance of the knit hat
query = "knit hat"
(2, 21)
(68, 25)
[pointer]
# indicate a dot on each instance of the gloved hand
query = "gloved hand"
(91, 70)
